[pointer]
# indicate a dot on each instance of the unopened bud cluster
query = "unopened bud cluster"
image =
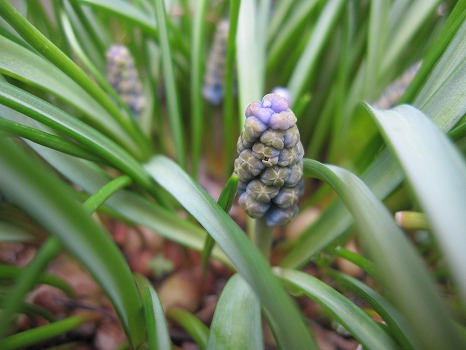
(124, 78)
(213, 89)
(269, 165)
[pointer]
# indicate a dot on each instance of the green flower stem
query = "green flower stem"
(26, 282)
(55, 55)
(262, 237)
(229, 102)
(39, 334)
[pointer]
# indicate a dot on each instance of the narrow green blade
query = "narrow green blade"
(288, 327)
(395, 321)
(23, 64)
(356, 321)
(399, 266)
(237, 319)
(436, 172)
(191, 324)
(158, 337)
(61, 121)
(53, 205)
(125, 10)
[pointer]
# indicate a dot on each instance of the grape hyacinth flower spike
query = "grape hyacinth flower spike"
(124, 78)
(270, 162)
(213, 89)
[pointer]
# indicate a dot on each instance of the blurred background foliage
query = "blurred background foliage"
(123, 174)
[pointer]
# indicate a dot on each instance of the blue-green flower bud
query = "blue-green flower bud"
(269, 164)
(124, 78)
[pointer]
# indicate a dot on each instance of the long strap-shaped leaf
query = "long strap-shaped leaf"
(441, 97)
(285, 321)
(42, 44)
(237, 319)
(25, 65)
(356, 321)
(157, 330)
(437, 173)
(395, 321)
(61, 121)
(401, 271)
(129, 205)
(53, 205)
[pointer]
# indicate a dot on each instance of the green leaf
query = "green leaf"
(191, 324)
(355, 258)
(105, 192)
(53, 205)
(355, 321)
(237, 319)
(446, 105)
(26, 282)
(399, 266)
(54, 117)
(158, 337)
(436, 172)
(225, 200)
(36, 335)
(306, 64)
(51, 52)
(289, 330)
(401, 32)
(250, 72)
(47, 139)
(125, 10)
(396, 322)
(197, 70)
(229, 102)
(12, 272)
(289, 29)
(173, 101)
(23, 64)
(13, 233)
(129, 205)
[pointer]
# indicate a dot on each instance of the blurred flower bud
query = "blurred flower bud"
(213, 89)
(283, 92)
(395, 91)
(124, 78)
(269, 165)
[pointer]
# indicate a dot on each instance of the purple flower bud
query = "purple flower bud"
(270, 164)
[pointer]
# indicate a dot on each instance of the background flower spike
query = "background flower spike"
(270, 161)
(124, 78)
(214, 77)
